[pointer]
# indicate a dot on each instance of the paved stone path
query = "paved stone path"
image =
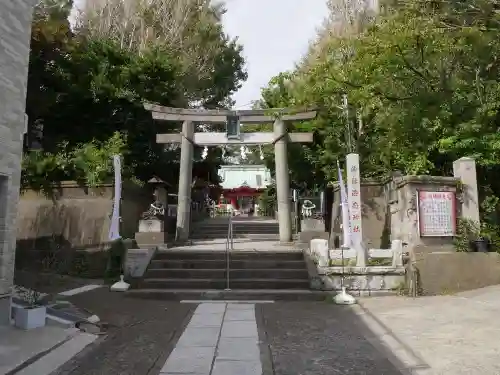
(318, 338)
(141, 334)
(441, 335)
(299, 338)
(220, 339)
(150, 337)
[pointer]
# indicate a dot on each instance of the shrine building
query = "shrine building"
(243, 184)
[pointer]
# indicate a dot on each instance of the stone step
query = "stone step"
(237, 224)
(209, 235)
(235, 231)
(237, 227)
(256, 236)
(221, 284)
(242, 228)
(223, 232)
(234, 274)
(235, 255)
(231, 295)
(221, 264)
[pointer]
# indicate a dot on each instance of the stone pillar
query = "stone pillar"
(185, 180)
(282, 182)
(355, 208)
(15, 21)
(465, 169)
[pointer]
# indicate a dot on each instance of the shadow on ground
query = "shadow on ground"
(140, 336)
(50, 283)
(318, 338)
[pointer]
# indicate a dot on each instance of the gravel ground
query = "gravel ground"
(139, 339)
(318, 338)
(298, 338)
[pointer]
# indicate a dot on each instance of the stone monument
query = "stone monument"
(355, 208)
(465, 170)
(311, 217)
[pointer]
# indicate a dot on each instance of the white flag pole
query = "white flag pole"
(114, 228)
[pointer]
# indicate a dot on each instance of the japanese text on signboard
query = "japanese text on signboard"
(436, 213)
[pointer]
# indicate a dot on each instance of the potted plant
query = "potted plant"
(482, 244)
(468, 231)
(32, 313)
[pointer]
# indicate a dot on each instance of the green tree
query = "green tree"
(415, 78)
(423, 88)
(82, 91)
(211, 64)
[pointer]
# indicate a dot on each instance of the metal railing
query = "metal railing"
(229, 248)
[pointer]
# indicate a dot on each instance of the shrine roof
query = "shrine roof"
(244, 188)
(158, 181)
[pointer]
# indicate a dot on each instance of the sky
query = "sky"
(275, 34)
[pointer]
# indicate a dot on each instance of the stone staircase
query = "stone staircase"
(194, 275)
(242, 227)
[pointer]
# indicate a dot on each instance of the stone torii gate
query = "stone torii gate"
(188, 138)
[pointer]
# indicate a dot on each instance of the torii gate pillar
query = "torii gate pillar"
(282, 181)
(185, 180)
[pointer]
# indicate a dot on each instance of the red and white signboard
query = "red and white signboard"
(437, 214)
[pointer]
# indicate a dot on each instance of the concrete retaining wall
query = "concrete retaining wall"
(451, 272)
(73, 219)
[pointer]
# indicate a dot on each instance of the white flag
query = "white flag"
(345, 211)
(114, 229)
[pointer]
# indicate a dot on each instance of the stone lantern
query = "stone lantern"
(160, 191)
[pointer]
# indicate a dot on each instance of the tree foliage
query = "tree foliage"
(209, 62)
(86, 91)
(423, 88)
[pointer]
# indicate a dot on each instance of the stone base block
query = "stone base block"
(137, 261)
(364, 283)
(147, 226)
(150, 239)
(308, 236)
(312, 225)
(319, 249)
